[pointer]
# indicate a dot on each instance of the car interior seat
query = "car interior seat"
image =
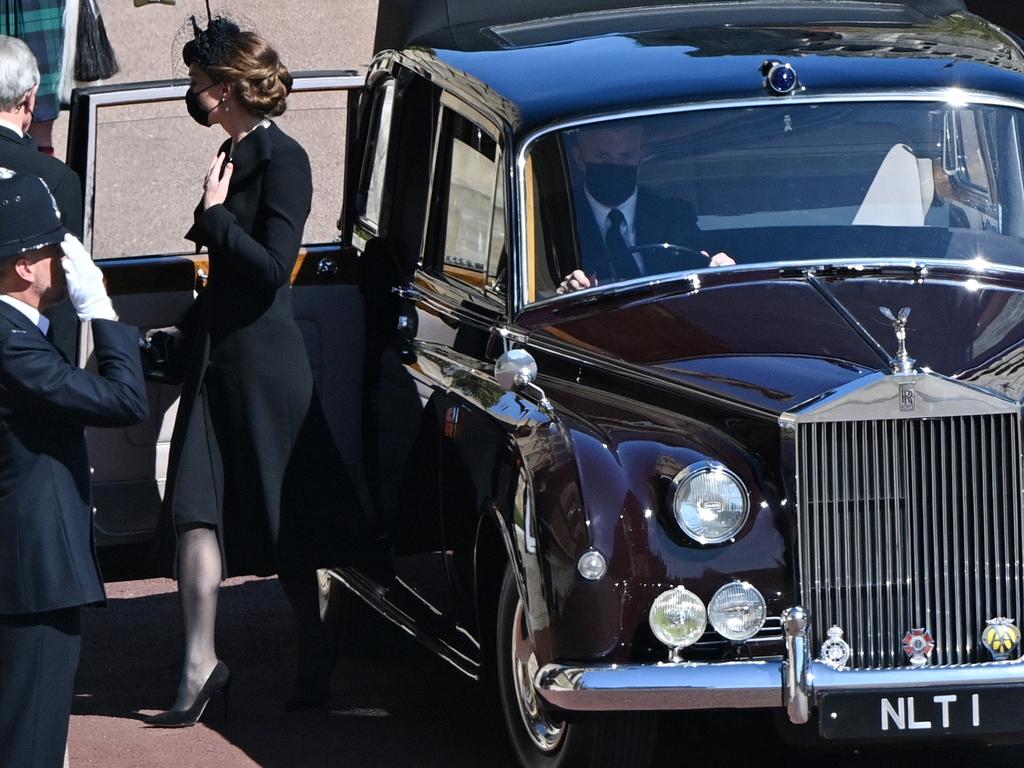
(901, 193)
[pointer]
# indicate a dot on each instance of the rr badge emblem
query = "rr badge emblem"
(918, 645)
(907, 402)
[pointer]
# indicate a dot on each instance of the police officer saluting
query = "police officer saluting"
(48, 566)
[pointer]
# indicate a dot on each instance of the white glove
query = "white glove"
(85, 282)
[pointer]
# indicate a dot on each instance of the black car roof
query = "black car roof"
(533, 73)
(469, 24)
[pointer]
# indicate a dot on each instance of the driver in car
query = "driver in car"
(617, 218)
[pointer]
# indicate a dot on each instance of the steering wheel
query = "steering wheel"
(689, 258)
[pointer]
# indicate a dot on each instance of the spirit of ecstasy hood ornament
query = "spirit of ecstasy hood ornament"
(902, 363)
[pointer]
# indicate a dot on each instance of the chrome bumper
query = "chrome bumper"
(795, 682)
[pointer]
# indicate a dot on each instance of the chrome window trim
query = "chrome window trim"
(952, 96)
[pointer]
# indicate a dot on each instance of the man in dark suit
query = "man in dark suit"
(48, 563)
(19, 84)
(616, 217)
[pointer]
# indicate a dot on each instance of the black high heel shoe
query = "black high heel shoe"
(219, 681)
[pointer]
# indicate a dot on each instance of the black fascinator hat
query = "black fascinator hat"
(209, 47)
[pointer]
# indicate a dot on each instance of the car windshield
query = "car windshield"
(645, 196)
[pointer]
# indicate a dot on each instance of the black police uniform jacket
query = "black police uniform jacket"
(251, 454)
(47, 555)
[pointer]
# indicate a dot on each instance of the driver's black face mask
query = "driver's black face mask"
(611, 184)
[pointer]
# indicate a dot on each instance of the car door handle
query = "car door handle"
(410, 292)
(327, 267)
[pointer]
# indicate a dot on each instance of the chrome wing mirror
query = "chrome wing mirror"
(516, 370)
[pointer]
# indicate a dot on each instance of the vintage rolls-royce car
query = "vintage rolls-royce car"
(691, 361)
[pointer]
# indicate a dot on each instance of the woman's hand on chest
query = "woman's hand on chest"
(218, 179)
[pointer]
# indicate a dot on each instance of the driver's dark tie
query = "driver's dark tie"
(622, 262)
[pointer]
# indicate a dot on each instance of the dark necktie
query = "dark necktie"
(622, 262)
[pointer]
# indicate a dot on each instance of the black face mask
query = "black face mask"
(611, 184)
(195, 109)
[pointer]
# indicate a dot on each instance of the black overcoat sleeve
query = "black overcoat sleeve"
(43, 382)
(268, 255)
(68, 194)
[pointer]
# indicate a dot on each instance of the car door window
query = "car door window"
(471, 203)
(371, 181)
(140, 202)
(497, 266)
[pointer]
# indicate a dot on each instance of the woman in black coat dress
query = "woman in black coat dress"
(247, 489)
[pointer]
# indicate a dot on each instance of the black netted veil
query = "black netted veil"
(209, 47)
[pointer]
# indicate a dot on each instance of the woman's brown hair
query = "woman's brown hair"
(262, 83)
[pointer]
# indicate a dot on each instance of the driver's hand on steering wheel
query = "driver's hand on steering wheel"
(577, 281)
(719, 259)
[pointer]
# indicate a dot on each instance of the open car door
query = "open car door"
(142, 161)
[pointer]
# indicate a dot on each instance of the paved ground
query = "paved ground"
(400, 708)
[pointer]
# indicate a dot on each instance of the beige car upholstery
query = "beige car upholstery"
(901, 192)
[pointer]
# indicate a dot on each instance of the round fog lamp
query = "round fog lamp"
(737, 611)
(592, 565)
(678, 618)
(709, 502)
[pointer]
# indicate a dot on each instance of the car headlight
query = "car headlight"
(678, 618)
(737, 611)
(709, 502)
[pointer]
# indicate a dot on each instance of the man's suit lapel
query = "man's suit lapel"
(19, 320)
(24, 325)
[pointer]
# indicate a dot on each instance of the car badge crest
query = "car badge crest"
(1001, 637)
(835, 652)
(902, 362)
(918, 645)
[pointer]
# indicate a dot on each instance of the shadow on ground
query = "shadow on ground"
(396, 707)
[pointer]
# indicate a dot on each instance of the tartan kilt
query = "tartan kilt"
(40, 23)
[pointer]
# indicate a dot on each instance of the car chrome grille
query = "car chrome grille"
(906, 523)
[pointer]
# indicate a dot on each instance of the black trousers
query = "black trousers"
(38, 659)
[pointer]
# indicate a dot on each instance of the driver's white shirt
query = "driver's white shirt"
(628, 227)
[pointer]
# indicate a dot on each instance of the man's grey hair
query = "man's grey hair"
(19, 72)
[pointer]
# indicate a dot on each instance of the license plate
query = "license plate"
(918, 714)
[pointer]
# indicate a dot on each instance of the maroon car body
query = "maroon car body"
(831, 421)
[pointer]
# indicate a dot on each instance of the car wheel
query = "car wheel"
(540, 737)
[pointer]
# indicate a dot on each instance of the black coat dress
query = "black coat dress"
(251, 454)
